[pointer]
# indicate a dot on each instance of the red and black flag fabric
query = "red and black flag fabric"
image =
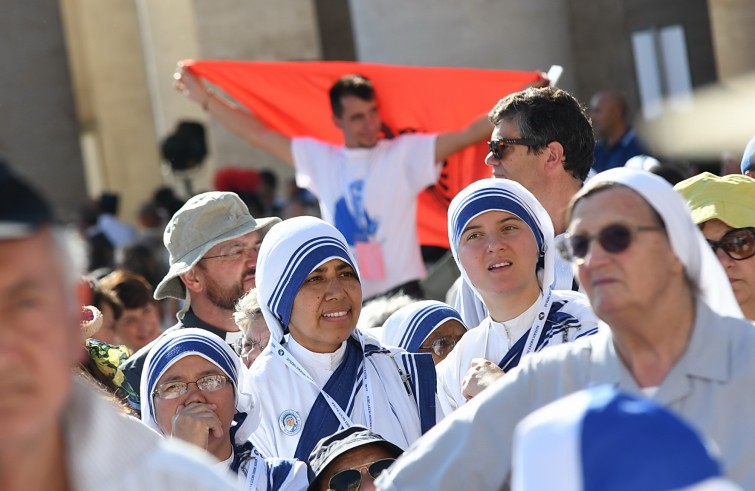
(292, 98)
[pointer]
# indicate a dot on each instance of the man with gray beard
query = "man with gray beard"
(213, 243)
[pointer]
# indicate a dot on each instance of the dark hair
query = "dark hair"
(132, 290)
(102, 296)
(550, 114)
(354, 85)
(269, 178)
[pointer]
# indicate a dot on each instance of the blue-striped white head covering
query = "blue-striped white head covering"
(600, 439)
(410, 325)
(178, 344)
(290, 252)
(700, 263)
(495, 194)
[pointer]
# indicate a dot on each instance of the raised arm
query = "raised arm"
(238, 120)
(453, 141)
(480, 129)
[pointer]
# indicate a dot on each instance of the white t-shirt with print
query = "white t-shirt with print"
(370, 196)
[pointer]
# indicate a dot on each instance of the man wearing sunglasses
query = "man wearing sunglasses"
(724, 209)
(672, 331)
(350, 459)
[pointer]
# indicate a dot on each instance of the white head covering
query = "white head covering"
(689, 244)
(410, 325)
(189, 341)
(290, 252)
(603, 439)
(496, 194)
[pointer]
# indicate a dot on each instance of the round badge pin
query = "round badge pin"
(289, 422)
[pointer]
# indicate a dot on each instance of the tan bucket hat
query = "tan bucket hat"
(205, 220)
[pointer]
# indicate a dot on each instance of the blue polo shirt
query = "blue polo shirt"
(627, 147)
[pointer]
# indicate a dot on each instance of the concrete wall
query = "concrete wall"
(113, 103)
(602, 32)
(254, 30)
(513, 35)
(38, 130)
(733, 26)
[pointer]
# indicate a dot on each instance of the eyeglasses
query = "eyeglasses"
(236, 251)
(243, 346)
(614, 239)
(496, 147)
(441, 346)
(351, 479)
(172, 390)
(738, 244)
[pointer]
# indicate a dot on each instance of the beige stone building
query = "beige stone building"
(89, 96)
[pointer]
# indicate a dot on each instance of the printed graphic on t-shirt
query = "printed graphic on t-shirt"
(351, 219)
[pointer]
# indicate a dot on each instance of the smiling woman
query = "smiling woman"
(319, 372)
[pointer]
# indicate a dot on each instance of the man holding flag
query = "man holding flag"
(367, 187)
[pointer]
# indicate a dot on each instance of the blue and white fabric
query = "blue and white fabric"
(305, 395)
(601, 439)
(410, 325)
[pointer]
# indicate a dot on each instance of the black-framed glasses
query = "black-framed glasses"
(738, 243)
(496, 147)
(614, 238)
(441, 346)
(235, 252)
(243, 345)
(351, 479)
(172, 390)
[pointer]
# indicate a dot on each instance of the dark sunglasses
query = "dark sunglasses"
(496, 147)
(738, 244)
(351, 479)
(614, 239)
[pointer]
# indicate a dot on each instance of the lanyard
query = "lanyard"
(253, 474)
(343, 418)
(533, 334)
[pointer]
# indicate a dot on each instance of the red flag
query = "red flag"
(292, 98)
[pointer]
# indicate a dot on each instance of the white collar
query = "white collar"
(516, 327)
(312, 361)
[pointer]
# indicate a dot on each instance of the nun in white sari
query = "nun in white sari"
(190, 389)
(426, 326)
(672, 332)
(319, 373)
(502, 241)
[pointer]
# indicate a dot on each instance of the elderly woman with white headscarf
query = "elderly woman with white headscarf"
(190, 390)
(502, 241)
(426, 326)
(319, 373)
(672, 331)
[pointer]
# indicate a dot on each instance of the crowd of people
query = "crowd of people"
(598, 336)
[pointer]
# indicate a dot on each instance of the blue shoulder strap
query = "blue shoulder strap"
(419, 378)
(514, 355)
(342, 385)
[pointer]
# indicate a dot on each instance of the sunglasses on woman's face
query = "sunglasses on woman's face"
(614, 238)
(738, 243)
(350, 479)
